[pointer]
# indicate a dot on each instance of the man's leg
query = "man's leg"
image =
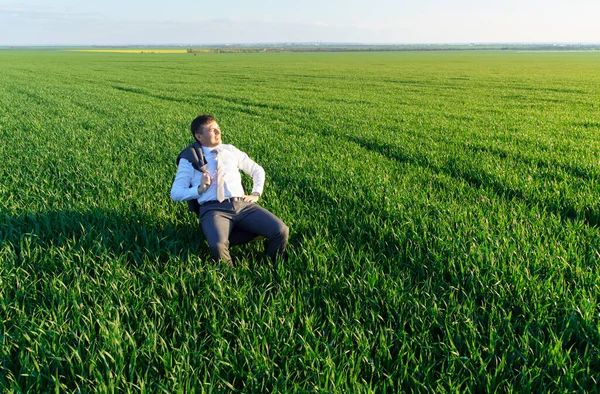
(216, 226)
(256, 219)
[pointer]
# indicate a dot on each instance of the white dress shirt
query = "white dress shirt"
(187, 179)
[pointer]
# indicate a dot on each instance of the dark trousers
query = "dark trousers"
(245, 219)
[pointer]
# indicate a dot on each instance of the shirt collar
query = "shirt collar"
(208, 151)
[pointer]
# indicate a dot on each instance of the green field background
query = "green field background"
(444, 210)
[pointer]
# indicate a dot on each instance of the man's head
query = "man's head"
(206, 131)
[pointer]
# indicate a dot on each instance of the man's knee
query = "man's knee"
(281, 233)
(284, 230)
(219, 250)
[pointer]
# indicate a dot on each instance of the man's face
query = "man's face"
(209, 135)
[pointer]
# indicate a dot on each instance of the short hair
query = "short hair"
(200, 121)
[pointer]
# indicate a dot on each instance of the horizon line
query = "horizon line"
(312, 43)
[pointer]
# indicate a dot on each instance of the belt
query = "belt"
(230, 199)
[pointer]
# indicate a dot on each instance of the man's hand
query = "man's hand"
(205, 182)
(251, 198)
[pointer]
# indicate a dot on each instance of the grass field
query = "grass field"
(444, 212)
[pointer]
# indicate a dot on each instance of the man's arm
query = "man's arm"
(256, 172)
(182, 188)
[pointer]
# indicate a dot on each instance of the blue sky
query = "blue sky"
(130, 22)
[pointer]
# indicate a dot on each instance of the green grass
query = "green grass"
(444, 212)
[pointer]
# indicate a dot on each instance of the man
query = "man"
(217, 186)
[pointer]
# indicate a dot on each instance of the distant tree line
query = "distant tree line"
(391, 48)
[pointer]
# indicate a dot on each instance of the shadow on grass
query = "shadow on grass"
(478, 178)
(571, 169)
(135, 235)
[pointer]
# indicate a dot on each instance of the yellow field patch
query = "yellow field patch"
(130, 50)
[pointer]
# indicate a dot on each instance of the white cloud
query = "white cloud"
(31, 14)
